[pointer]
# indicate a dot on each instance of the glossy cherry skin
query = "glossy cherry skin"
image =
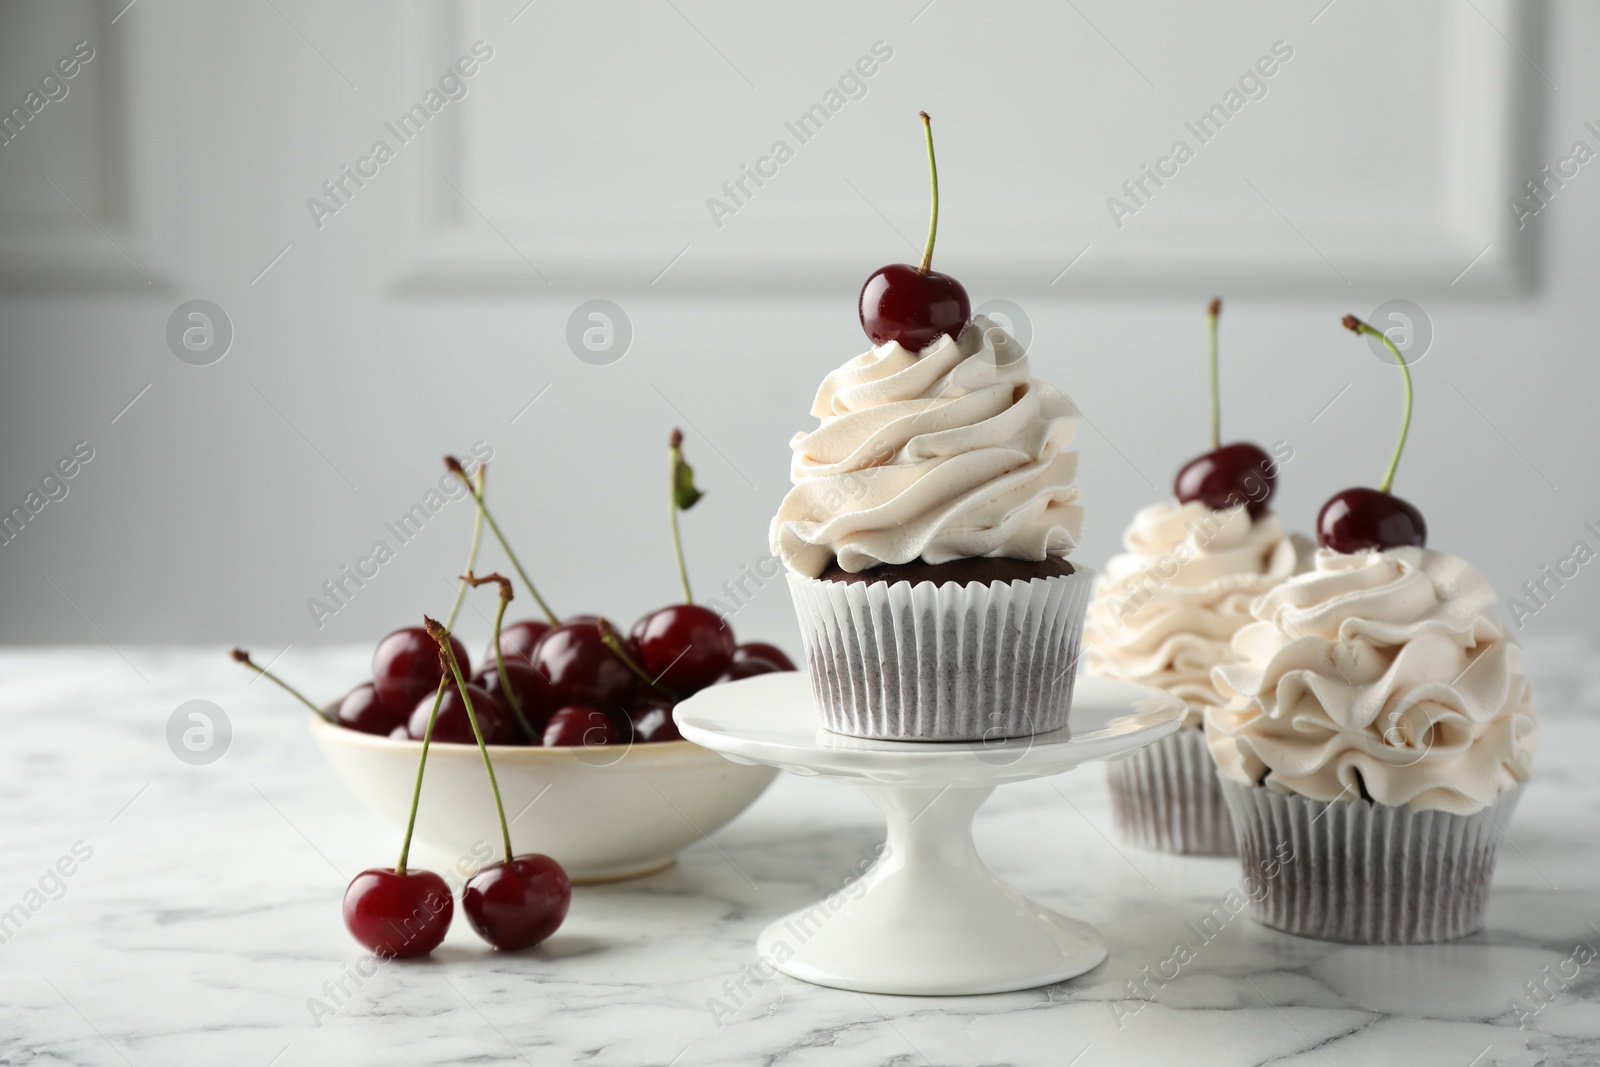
(1358, 519)
(517, 641)
(683, 646)
(498, 727)
(761, 650)
(517, 903)
(901, 303)
(533, 694)
(398, 915)
(581, 669)
(1240, 473)
(652, 719)
(748, 668)
(363, 709)
(405, 665)
(580, 724)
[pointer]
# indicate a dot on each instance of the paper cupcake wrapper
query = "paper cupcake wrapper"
(1366, 873)
(1166, 797)
(919, 661)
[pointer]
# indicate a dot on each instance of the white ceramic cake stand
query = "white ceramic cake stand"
(928, 918)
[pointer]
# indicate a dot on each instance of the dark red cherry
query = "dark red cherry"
(748, 668)
(652, 718)
(580, 724)
(1240, 473)
(915, 308)
(517, 903)
(683, 646)
(398, 915)
(405, 666)
(517, 641)
(363, 709)
(763, 651)
(401, 732)
(498, 727)
(581, 669)
(533, 694)
(1359, 518)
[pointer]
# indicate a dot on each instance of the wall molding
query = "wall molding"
(1488, 126)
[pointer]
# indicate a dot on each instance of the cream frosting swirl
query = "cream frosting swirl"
(951, 452)
(1165, 611)
(1383, 673)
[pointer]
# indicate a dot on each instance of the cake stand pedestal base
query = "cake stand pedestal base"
(929, 918)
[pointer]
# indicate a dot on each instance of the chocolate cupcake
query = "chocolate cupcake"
(1164, 614)
(926, 537)
(1377, 733)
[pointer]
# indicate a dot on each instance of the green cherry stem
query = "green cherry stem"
(241, 656)
(472, 554)
(499, 657)
(1213, 310)
(438, 696)
(676, 443)
(609, 638)
(416, 790)
(933, 182)
(1355, 325)
(453, 465)
(447, 654)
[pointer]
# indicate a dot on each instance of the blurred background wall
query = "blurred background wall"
(368, 310)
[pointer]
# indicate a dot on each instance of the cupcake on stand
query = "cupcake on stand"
(926, 538)
(927, 531)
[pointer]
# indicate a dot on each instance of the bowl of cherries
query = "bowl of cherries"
(574, 713)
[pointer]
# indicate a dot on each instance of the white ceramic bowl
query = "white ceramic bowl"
(603, 813)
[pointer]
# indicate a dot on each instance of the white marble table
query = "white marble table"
(206, 919)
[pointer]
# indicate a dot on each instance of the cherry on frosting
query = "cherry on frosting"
(915, 306)
(1228, 475)
(1359, 519)
(1240, 473)
(1362, 518)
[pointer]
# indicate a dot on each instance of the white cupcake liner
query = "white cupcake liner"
(1166, 797)
(1366, 873)
(922, 661)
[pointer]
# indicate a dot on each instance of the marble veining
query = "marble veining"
(204, 926)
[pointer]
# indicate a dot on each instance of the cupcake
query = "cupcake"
(928, 526)
(925, 538)
(1377, 730)
(1164, 614)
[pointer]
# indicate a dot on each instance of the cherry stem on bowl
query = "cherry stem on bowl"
(241, 656)
(416, 790)
(438, 696)
(684, 496)
(933, 182)
(453, 465)
(609, 638)
(1213, 311)
(472, 553)
(448, 657)
(499, 657)
(1356, 326)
